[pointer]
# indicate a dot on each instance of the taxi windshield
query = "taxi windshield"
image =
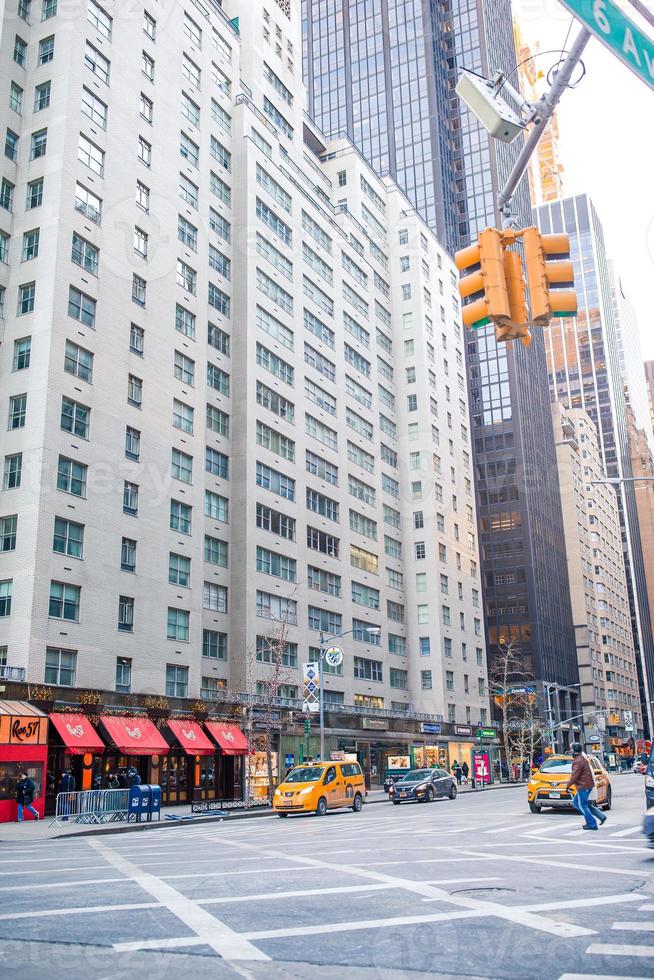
(305, 774)
(557, 765)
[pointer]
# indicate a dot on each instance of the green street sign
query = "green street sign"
(487, 733)
(606, 21)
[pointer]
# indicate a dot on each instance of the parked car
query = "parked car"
(423, 786)
(319, 787)
(547, 785)
(640, 768)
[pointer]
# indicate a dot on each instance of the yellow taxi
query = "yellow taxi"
(547, 785)
(320, 786)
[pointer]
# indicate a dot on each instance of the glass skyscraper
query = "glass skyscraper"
(384, 72)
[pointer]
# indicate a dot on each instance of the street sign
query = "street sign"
(430, 728)
(311, 696)
(629, 721)
(334, 656)
(487, 733)
(627, 42)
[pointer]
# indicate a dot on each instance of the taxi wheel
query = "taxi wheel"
(535, 808)
(321, 809)
(607, 805)
(357, 806)
(282, 814)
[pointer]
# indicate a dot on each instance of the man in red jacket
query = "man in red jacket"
(582, 777)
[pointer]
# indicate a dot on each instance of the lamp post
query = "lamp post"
(324, 642)
(549, 687)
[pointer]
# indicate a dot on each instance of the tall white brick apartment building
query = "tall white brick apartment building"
(232, 374)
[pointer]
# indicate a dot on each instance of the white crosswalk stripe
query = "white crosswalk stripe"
(627, 832)
(613, 949)
(634, 926)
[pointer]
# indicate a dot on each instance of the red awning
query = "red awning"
(191, 737)
(135, 736)
(230, 738)
(78, 734)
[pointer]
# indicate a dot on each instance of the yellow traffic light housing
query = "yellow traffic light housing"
(483, 288)
(549, 275)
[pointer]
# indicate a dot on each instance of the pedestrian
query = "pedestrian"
(456, 769)
(133, 778)
(465, 772)
(122, 779)
(582, 779)
(25, 790)
(67, 785)
(113, 781)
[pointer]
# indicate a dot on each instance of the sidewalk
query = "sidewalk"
(36, 831)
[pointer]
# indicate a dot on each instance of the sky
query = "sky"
(607, 148)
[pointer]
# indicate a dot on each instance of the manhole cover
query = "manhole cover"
(484, 892)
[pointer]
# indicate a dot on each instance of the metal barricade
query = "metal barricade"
(91, 806)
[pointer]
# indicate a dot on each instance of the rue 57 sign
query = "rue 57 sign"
(605, 20)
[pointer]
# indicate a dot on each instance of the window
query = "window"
(77, 361)
(5, 597)
(365, 595)
(20, 50)
(24, 9)
(6, 194)
(75, 418)
(123, 675)
(276, 365)
(180, 517)
(42, 94)
(132, 443)
(86, 256)
(16, 98)
(139, 286)
(322, 581)
(272, 563)
(91, 155)
(276, 225)
(365, 560)
(94, 108)
(136, 339)
(17, 411)
(189, 150)
(64, 601)
(60, 667)
(218, 339)
(181, 466)
(88, 204)
(96, 62)
(278, 119)
(268, 652)
(321, 364)
(134, 390)
(128, 555)
(100, 19)
(275, 522)
(125, 614)
(368, 670)
(192, 31)
(142, 196)
(71, 477)
(11, 145)
(399, 678)
(282, 91)
(274, 441)
(423, 614)
(13, 471)
(214, 597)
(179, 570)
(320, 541)
(178, 624)
(147, 66)
(324, 620)
(217, 420)
(8, 533)
(396, 644)
(182, 416)
(80, 306)
(395, 611)
(191, 71)
(130, 498)
(216, 551)
(186, 277)
(214, 645)
(26, 294)
(146, 108)
(184, 368)
(149, 25)
(424, 646)
(222, 190)
(216, 463)
(219, 300)
(176, 681)
(425, 680)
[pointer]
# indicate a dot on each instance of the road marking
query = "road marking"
(594, 976)
(610, 949)
(649, 907)
(557, 864)
(625, 833)
(223, 940)
(42, 871)
(634, 926)
(514, 826)
(81, 911)
(484, 908)
(313, 929)
(586, 903)
(230, 874)
(59, 884)
(168, 943)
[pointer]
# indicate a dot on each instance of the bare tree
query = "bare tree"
(268, 696)
(512, 689)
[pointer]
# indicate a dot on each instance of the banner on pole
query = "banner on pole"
(311, 692)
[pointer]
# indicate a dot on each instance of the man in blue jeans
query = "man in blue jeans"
(582, 777)
(25, 790)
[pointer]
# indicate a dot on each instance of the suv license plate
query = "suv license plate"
(555, 796)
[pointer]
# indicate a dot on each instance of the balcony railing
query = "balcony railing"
(8, 673)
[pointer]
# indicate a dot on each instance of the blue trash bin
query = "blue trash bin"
(134, 803)
(155, 802)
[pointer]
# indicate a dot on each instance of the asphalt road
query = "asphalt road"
(476, 887)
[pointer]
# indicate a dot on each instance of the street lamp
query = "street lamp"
(324, 642)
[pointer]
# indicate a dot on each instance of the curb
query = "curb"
(233, 815)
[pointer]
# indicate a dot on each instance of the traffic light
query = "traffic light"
(307, 726)
(549, 275)
(483, 288)
(517, 293)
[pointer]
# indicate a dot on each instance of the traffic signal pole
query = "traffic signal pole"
(545, 108)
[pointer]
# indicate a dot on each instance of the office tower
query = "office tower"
(584, 366)
(233, 373)
(395, 66)
(630, 354)
(598, 585)
(649, 381)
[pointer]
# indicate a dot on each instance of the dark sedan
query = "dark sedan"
(423, 786)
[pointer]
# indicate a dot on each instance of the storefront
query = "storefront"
(131, 741)
(72, 744)
(460, 749)
(224, 772)
(183, 770)
(23, 747)
(433, 756)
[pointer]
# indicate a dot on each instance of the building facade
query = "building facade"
(649, 381)
(233, 373)
(351, 51)
(598, 587)
(584, 368)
